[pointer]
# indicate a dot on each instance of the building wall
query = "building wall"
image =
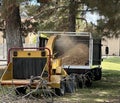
(1, 38)
(113, 44)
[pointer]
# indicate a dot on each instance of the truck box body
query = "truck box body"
(79, 51)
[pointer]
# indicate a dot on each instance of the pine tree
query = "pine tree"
(110, 10)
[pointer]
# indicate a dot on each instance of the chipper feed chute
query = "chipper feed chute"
(23, 63)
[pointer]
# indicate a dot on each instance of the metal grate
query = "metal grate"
(24, 68)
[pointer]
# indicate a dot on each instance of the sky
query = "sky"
(34, 2)
(92, 17)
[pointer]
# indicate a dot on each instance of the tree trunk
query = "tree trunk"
(72, 16)
(13, 27)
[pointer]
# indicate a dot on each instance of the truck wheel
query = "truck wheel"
(60, 91)
(80, 81)
(97, 73)
(88, 82)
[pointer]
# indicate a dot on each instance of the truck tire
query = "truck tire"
(79, 81)
(88, 82)
(97, 73)
(60, 91)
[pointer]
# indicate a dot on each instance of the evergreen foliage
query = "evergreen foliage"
(109, 25)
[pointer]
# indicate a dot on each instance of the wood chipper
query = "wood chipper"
(27, 63)
(66, 60)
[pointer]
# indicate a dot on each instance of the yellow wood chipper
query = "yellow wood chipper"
(59, 60)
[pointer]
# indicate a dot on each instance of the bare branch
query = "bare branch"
(84, 20)
(46, 10)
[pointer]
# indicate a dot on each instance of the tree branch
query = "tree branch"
(84, 20)
(45, 10)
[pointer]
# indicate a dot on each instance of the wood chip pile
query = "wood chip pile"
(72, 53)
(78, 55)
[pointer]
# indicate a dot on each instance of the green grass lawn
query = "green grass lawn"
(106, 90)
(111, 63)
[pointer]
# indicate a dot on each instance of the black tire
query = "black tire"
(60, 91)
(20, 90)
(88, 82)
(97, 73)
(80, 81)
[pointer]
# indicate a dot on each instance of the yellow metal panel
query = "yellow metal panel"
(29, 54)
(58, 70)
(55, 80)
(56, 63)
(7, 75)
(54, 85)
(50, 43)
(64, 73)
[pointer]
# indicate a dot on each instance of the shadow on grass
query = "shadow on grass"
(108, 88)
(110, 80)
